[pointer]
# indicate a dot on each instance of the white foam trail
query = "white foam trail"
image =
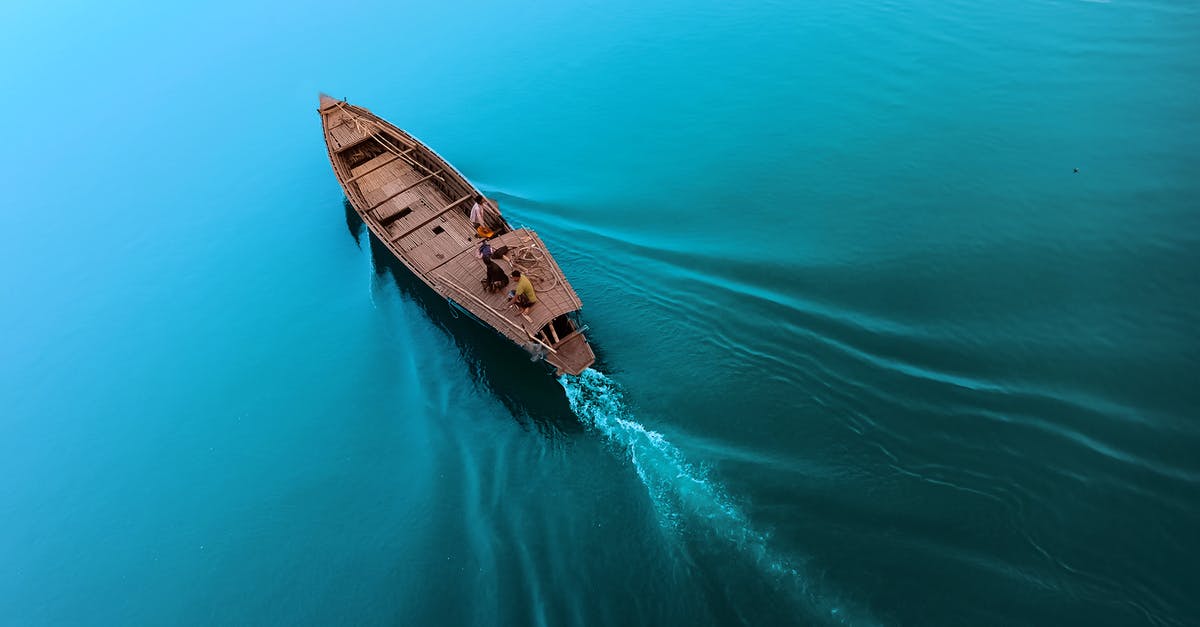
(684, 497)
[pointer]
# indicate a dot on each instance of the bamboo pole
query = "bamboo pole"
(386, 144)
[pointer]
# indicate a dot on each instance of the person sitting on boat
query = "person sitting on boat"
(496, 279)
(523, 296)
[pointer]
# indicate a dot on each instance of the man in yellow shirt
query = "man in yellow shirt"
(523, 296)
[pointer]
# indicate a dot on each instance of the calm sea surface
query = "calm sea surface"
(871, 352)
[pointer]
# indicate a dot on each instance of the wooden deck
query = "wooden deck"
(418, 206)
(529, 255)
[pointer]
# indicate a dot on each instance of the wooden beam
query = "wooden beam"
(433, 217)
(385, 200)
(362, 174)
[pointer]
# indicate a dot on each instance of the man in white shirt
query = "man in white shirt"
(477, 210)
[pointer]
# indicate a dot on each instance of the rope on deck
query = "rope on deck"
(527, 257)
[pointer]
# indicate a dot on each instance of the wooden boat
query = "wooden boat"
(419, 206)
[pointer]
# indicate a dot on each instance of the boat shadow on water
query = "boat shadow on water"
(525, 387)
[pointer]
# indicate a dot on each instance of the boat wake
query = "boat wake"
(687, 501)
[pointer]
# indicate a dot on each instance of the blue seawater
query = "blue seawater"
(871, 351)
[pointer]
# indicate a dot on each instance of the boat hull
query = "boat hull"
(420, 208)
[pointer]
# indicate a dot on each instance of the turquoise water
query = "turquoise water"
(870, 351)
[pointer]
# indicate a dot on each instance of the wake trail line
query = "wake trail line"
(686, 499)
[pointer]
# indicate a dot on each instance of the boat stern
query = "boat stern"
(573, 355)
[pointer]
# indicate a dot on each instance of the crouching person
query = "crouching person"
(495, 280)
(523, 296)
